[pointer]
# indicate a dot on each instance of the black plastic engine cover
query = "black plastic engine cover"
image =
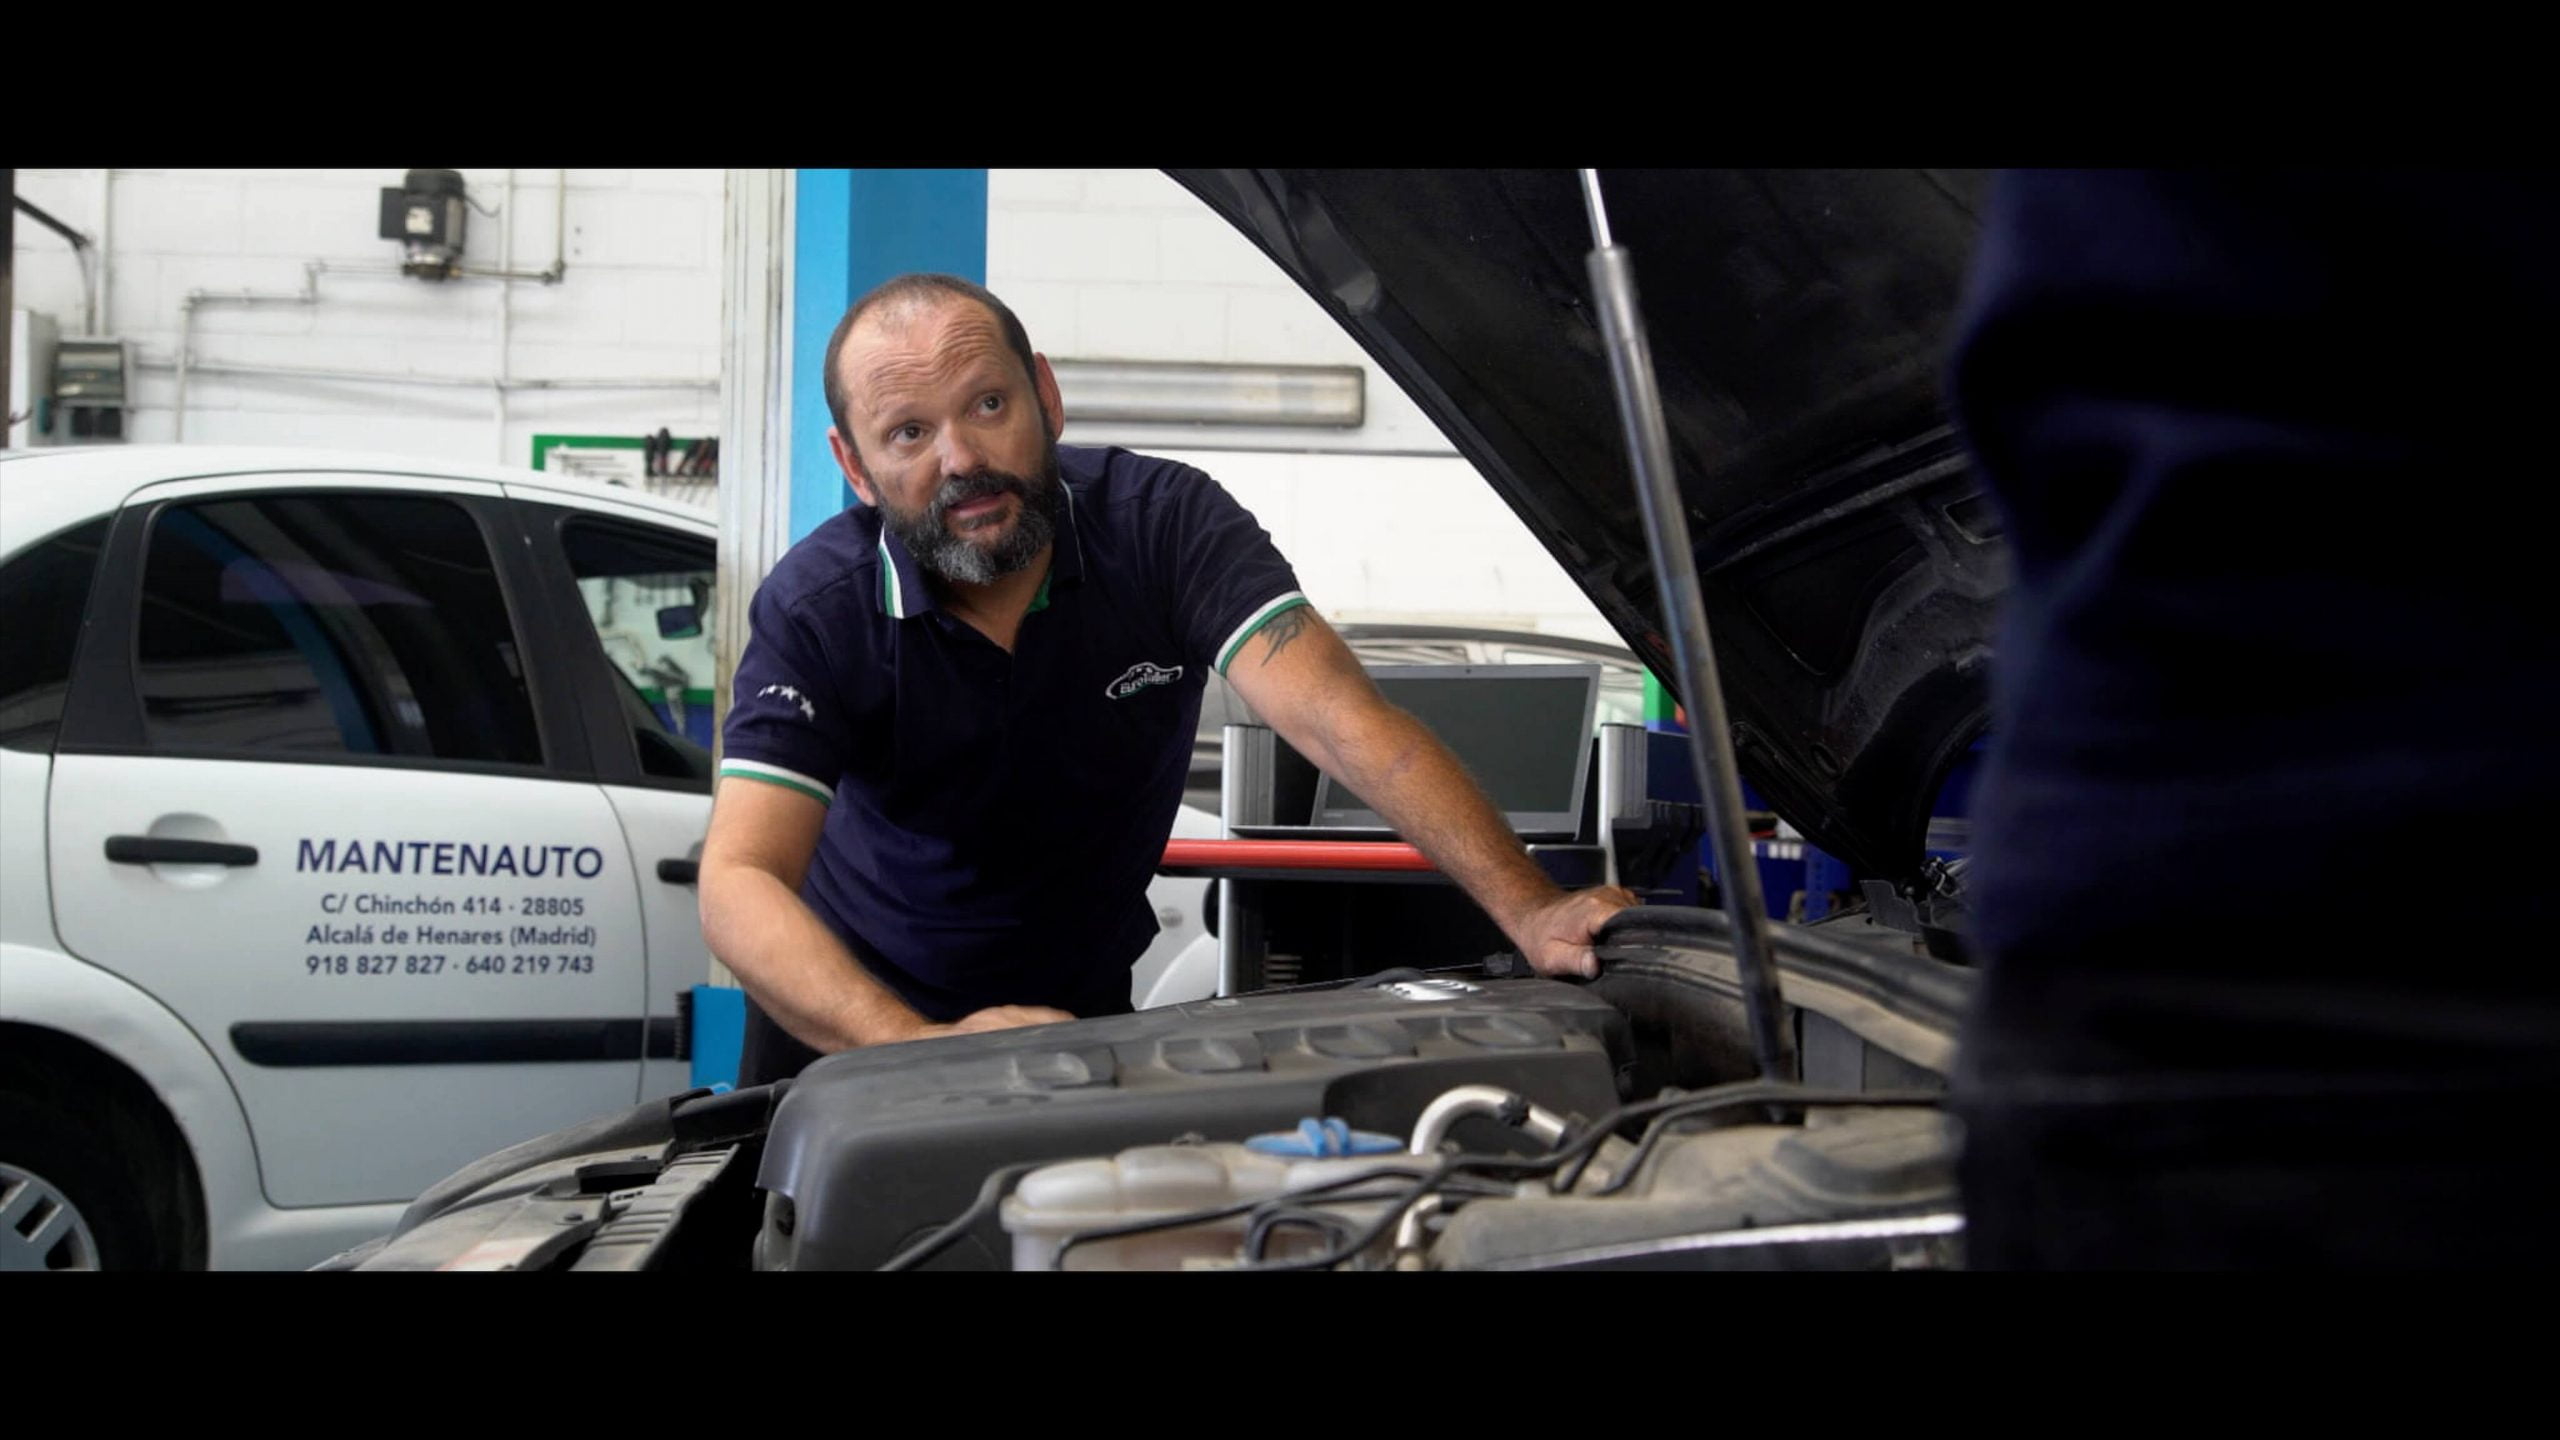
(873, 1149)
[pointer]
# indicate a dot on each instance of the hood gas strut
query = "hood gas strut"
(1666, 529)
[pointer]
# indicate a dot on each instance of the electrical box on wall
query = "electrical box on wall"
(31, 342)
(425, 214)
(92, 388)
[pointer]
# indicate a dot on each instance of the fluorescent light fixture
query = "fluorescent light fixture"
(1183, 393)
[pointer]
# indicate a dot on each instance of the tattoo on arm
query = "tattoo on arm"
(1284, 627)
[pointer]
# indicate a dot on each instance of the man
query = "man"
(961, 728)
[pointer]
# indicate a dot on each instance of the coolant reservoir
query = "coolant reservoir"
(1156, 1182)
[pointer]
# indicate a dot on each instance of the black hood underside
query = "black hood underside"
(1850, 561)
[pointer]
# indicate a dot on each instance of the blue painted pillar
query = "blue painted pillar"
(856, 228)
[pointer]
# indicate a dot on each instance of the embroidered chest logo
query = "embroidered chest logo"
(808, 711)
(1138, 677)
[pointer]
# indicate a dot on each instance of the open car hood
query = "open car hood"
(1850, 561)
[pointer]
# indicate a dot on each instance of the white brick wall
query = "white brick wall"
(668, 308)
(640, 298)
(655, 229)
(1040, 189)
(1079, 246)
(1411, 538)
(1150, 322)
(293, 220)
(181, 213)
(1201, 249)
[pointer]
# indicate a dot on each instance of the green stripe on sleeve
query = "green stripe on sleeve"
(731, 772)
(1254, 626)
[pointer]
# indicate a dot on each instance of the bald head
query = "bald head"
(897, 303)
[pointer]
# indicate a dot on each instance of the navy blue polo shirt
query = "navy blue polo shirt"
(2269, 812)
(994, 819)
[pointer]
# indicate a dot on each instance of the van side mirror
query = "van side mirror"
(679, 622)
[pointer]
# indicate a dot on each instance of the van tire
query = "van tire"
(65, 1160)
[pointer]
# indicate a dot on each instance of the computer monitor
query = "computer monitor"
(1521, 730)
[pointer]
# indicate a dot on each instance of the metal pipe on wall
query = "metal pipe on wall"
(507, 276)
(187, 364)
(102, 310)
(474, 382)
(83, 254)
(8, 282)
(92, 261)
(559, 248)
(187, 327)
(506, 304)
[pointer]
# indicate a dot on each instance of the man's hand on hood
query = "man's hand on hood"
(1557, 938)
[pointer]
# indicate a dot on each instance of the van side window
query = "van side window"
(312, 624)
(649, 598)
(42, 594)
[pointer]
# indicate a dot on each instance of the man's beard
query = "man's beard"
(966, 561)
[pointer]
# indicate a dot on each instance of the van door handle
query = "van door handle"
(154, 850)
(680, 872)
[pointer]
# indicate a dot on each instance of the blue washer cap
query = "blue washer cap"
(1325, 1139)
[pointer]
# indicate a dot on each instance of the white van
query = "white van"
(349, 809)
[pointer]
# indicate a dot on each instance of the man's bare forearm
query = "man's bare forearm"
(1307, 684)
(801, 974)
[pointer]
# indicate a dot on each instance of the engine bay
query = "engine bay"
(1404, 1121)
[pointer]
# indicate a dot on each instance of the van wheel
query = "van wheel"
(62, 1207)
